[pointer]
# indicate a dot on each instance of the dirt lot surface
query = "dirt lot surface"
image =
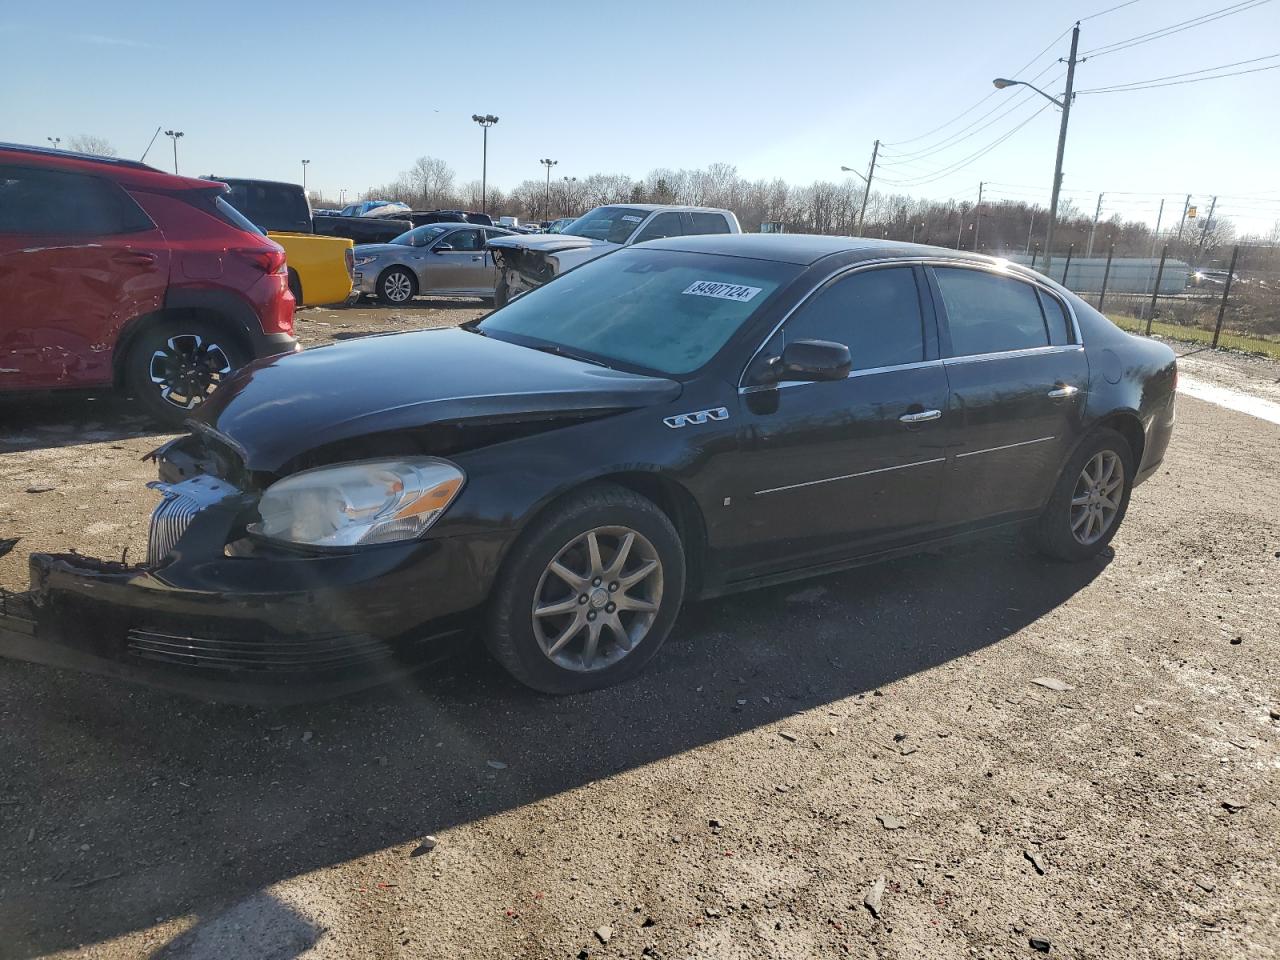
(791, 751)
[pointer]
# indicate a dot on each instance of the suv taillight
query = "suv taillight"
(268, 261)
(350, 255)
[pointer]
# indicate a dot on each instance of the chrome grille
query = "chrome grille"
(179, 504)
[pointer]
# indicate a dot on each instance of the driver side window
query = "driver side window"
(875, 313)
(663, 225)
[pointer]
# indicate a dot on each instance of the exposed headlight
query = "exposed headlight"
(374, 501)
(368, 258)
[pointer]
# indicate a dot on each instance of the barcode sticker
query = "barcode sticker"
(722, 291)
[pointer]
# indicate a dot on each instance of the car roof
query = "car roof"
(125, 171)
(806, 248)
(268, 183)
(651, 207)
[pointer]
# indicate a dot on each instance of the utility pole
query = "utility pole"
(1031, 226)
(1097, 212)
(304, 176)
(866, 193)
(1062, 147)
(1205, 229)
(174, 135)
(486, 121)
(548, 163)
(1185, 207)
(977, 217)
(1155, 236)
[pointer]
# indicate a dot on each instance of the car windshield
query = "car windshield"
(614, 224)
(420, 236)
(657, 310)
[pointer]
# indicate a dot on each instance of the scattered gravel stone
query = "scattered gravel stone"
(604, 934)
(788, 736)
(1275, 713)
(306, 736)
(496, 764)
(1234, 804)
(871, 899)
(712, 912)
(425, 846)
(40, 488)
(1035, 861)
(890, 822)
(1052, 683)
(1041, 944)
(1206, 884)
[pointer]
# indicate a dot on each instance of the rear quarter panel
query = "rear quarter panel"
(321, 265)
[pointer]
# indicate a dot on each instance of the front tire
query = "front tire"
(589, 593)
(175, 365)
(397, 286)
(1089, 500)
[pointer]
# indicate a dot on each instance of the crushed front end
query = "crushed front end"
(214, 613)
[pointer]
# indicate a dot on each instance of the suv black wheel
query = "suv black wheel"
(589, 593)
(173, 366)
(1090, 498)
(397, 286)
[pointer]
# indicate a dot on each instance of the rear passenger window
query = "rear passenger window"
(876, 313)
(990, 314)
(50, 202)
(1055, 315)
(708, 223)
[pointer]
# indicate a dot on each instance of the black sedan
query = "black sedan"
(679, 419)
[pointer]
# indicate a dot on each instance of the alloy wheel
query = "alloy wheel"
(597, 599)
(397, 287)
(1095, 502)
(187, 369)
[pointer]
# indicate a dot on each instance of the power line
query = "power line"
(965, 113)
(1129, 88)
(1171, 29)
(1172, 76)
(960, 135)
(1118, 6)
(977, 154)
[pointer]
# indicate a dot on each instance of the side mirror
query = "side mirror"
(813, 360)
(442, 248)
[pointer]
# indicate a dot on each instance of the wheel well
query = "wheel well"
(295, 285)
(1129, 427)
(683, 512)
(144, 323)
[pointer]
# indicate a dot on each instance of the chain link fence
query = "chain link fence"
(1231, 300)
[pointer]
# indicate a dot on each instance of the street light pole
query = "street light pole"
(1065, 104)
(486, 121)
(548, 163)
(866, 190)
(174, 135)
(568, 193)
(55, 141)
(304, 176)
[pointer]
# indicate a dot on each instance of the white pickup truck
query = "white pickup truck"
(525, 262)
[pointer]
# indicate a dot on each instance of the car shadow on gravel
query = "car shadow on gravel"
(67, 419)
(124, 806)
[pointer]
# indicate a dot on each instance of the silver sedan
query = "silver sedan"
(447, 259)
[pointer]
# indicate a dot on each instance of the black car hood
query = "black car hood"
(274, 410)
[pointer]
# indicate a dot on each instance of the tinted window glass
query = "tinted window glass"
(653, 309)
(988, 313)
(465, 240)
(235, 217)
(420, 236)
(709, 223)
(53, 202)
(663, 225)
(876, 313)
(272, 206)
(1055, 316)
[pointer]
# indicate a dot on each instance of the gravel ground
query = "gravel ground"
(788, 749)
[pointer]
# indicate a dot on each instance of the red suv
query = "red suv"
(113, 273)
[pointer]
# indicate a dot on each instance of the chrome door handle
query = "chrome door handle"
(476, 259)
(920, 417)
(1066, 390)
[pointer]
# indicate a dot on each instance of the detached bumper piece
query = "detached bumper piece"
(271, 627)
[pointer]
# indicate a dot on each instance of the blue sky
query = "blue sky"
(792, 89)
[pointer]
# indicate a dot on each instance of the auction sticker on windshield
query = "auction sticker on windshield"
(723, 291)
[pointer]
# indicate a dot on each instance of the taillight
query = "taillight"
(351, 263)
(268, 261)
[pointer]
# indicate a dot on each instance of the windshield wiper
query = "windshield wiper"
(560, 351)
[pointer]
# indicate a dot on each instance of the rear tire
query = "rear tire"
(397, 286)
(1089, 500)
(295, 287)
(174, 365)
(629, 606)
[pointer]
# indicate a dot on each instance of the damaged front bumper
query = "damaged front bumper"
(266, 627)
